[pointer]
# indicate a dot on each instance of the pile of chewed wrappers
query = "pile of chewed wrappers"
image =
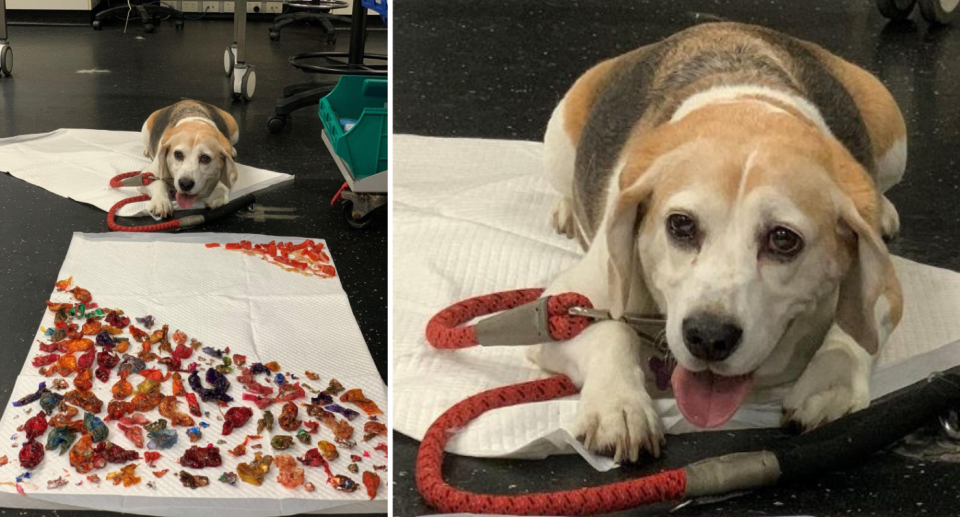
(90, 342)
(307, 258)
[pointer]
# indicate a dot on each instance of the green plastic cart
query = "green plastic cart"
(354, 117)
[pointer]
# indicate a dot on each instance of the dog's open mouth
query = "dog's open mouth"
(707, 399)
(185, 201)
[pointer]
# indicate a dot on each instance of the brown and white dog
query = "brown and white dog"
(191, 145)
(730, 177)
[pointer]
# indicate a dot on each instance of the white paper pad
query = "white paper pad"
(222, 298)
(79, 163)
(470, 218)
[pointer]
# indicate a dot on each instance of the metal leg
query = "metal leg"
(240, 30)
(3, 21)
(236, 21)
(358, 33)
(244, 78)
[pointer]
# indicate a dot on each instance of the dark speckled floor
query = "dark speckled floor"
(496, 69)
(45, 93)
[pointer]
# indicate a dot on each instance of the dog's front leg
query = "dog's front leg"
(160, 204)
(615, 415)
(219, 196)
(835, 382)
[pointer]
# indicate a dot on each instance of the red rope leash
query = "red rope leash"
(665, 486)
(445, 331)
(117, 182)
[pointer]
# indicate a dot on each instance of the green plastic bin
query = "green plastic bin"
(363, 148)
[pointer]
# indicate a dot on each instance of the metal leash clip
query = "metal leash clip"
(650, 327)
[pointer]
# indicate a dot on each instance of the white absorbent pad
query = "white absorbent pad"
(470, 218)
(79, 163)
(222, 298)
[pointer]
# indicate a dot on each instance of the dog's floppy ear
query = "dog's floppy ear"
(158, 167)
(622, 230)
(228, 173)
(870, 302)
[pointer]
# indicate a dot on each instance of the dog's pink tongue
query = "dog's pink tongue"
(707, 399)
(185, 200)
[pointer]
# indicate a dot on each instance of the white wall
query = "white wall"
(70, 5)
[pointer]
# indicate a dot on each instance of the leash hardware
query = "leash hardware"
(650, 327)
(526, 324)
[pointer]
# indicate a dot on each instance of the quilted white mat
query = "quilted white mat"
(78, 164)
(471, 217)
(223, 299)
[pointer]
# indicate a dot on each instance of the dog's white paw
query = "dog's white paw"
(562, 218)
(218, 199)
(816, 401)
(619, 419)
(146, 152)
(889, 219)
(160, 206)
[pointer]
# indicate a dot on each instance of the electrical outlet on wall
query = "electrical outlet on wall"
(173, 4)
(275, 7)
(211, 6)
(228, 7)
(190, 6)
(254, 7)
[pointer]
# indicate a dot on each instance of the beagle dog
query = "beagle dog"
(191, 145)
(731, 178)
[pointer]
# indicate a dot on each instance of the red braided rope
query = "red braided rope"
(664, 486)
(445, 331)
(117, 182)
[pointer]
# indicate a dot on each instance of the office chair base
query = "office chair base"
(149, 15)
(323, 19)
(295, 97)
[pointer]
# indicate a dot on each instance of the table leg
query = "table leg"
(358, 33)
(3, 20)
(240, 30)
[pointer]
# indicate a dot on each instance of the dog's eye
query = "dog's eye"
(784, 242)
(204, 158)
(682, 228)
(178, 155)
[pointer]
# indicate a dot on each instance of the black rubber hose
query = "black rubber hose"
(849, 440)
(229, 209)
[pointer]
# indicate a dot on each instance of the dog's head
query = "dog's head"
(739, 220)
(196, 156)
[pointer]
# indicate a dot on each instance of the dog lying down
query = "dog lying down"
(191, 145)
(730, 177)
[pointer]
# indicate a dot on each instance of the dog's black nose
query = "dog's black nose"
(710, 337)
(185, 184)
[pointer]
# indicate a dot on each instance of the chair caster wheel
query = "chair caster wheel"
(276, 123)
(274, 36)
(939, 12)
(148, 28)
(6, 59)
(229, 60)
(97, 25)
(353, 222)
(244, 83)
(178, 24)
